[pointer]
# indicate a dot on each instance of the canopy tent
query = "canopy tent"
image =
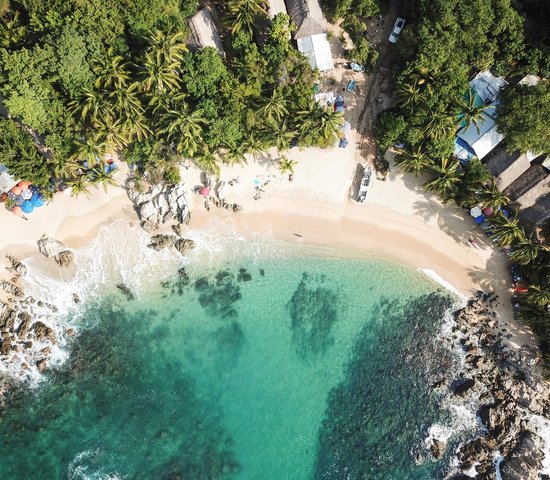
(475, 212)
(317, 50)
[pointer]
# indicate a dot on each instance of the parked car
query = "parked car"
(397, 27)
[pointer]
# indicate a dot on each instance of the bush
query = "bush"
(389, 126)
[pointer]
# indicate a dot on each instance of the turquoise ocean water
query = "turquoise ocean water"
(266, 369)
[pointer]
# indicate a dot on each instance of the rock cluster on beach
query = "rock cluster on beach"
(160, 204)
(50, 247)
(511, 392)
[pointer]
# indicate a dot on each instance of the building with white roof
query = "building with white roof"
(274, 7)
(204, 32)
(311, 33)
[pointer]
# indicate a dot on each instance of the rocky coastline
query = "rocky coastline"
(510, 389)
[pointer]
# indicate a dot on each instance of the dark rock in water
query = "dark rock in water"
(262, 272)
(161, 241)
(70, 332)
(183, 278)
(25, 324)
(437, 448)
(41, 365)
(76, 298)
(525, 461)
(244, 277)
(184, 244)
(177, 229)
(42, 332)
(65, 259)
(126, 291)
(222, 277)
(5, 347)
(202, 284)
(461, 385)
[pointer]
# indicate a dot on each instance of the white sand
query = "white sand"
(399, 219)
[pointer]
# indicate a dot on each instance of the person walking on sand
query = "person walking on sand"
(472, 240)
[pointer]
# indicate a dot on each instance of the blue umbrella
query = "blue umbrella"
(27, 207)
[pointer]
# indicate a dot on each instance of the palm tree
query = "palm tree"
(254, 146)
(440, 125)
(470, 113)
(98, 176)
(207, 161)
(113, 72)
(11, 30)
(414, 161)
(321, 119)
(114, 135)
(184, 128)
(159, 77)
(526, 250)
(65, 168)
(167, 48)
(506, 230)
(136, 127)
(79, 186)
(92, 108)
(538, 295)
(235, 154)
(286, 165)
(445, 184)
(409, 94)
(491, 196)
(274, 108)
(126, 102)
(89, 150)
(242, 14)
(281, 135)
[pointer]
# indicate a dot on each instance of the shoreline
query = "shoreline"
(399, 221)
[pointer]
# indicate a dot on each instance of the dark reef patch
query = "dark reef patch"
(313, 311)
(387, 387)
(139, 379)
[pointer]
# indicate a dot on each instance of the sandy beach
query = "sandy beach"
(399, 220)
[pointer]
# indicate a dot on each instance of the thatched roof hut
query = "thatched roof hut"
(204, 32)
(307, 16)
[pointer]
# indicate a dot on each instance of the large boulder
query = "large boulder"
(65, 259)
(525, 461)
(50, 247)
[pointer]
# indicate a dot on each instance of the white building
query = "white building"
(204, 32)
(311, 33)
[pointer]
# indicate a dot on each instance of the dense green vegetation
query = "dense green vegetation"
(444, 43)
(524, 117)
(89, 76)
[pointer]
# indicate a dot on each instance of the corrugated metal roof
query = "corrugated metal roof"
(317, 50)
(487, 85)
(485, 140)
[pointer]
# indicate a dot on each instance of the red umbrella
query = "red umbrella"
(204, 191)
(487, 211)
(16, 190)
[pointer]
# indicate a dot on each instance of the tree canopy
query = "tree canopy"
(523, 116)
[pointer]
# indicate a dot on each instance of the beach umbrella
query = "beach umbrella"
(346, 127)
(24, 185)
(479, 219)
(204, 191)
(17, 211)
(488, 211)
(27, 207)
(16, 190)
(475, 212)
(18, 200)
(26, 194)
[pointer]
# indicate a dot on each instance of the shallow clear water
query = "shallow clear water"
(313, 368)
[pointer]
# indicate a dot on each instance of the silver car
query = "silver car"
(397, 27)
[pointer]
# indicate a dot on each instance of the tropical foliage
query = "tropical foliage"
(80, 78)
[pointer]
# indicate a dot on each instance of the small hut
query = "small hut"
(310, 33)
(204, 32)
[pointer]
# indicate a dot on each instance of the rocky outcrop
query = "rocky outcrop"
(161, 241)
(50, 247)
(511, 390)
(160, 204)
